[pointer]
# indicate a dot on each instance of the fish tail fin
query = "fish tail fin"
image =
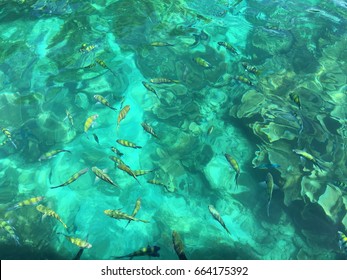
(16, 240)
(138, 147)
(236, 180)
(268, 208)
(176, 81)
(144, 221)
(127, 223)
(57, 187)
(14, 145)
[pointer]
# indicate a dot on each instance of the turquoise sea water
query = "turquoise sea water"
(274, 100)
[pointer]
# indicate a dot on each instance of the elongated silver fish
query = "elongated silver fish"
(217, 216)
(269, 187)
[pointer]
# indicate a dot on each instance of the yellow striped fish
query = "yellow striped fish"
(150, 88)
(49, 212)
(117, 160)
(136, 209)
(151, 251)
(127, 169)
(9, 136)
(342, 241)
(10, 230)
(119, 215)
(295, 98)
(103, 176)
(51, 154)
(86, 48)
(250, 68)
(122, 114)
(160, 44)
(127, 143)
(142, 172)
(163, 81)
(235, 166)
(158, 183)
(77, 241)
(228, 46)
(27, 202)
(149, 129)
(73, 178)
(116, 151)
(202, 62)
(89, 122)
(103, 101)
(308, 157)
(217, 216)
(244, 80)
(178, 245)
(103, 65)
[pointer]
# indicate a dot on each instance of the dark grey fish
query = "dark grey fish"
(96, 138)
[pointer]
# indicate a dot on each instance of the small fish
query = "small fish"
(158, 183)
(49, 212)
(73, 178)
(163, 81)
(342, 185)
(116, 151)
(9, 136)
(142, 172)
(127, 169)
(202, 62)
(103, 176)
(122, 102)
(89, 66)
(234, 165)
(10, 230)
(103, 65)
(308, 157)
(117, 160)
(217, 216)
(96, 138)
(228, 46)
(127, 143)
(178, 245)
(150, 88)
(52, 154)
(145, 251)
(210, 130)
(27, 202)
(85, 48)
(122, 114)
(342, 241)
(160, 44)
(268, 166)
(250, 68)
(295, 98)
(270, 187)
(69, 117)
(244, 80)
(119, 215)
(149, 129)
(103, 101)
(77, 241)
(136, 209)
(90, 122)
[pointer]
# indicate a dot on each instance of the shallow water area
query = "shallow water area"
(234, 106)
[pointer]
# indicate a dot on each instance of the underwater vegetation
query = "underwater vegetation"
(173, 129)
